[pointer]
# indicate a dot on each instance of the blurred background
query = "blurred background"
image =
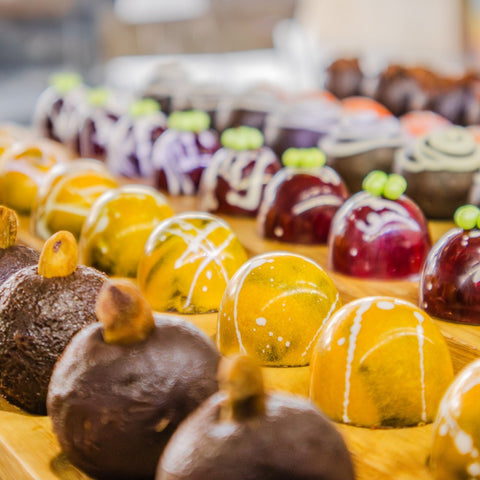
(287, 43)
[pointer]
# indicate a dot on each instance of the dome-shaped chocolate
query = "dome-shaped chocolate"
(247, 434)
(121, 388)
(12, 257)
(39, 314)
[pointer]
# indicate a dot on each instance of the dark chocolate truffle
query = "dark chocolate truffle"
(364, 139)
(439, 170)
(402, 89)
(123, 386)
(344, 78)
(249, 434)
(458, 100)
(39, 314)
(12, 257)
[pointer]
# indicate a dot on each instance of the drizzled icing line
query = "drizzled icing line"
(352, 343)
(230, 165)
(355, 331)
(253, 265)
(421, 336)
(335, 148)
(441, 151)
(200, 242)
(448, 424)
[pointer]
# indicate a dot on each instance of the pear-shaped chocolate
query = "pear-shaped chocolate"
(41, 308)
(13, 257)
(124, 384)
(243, 432)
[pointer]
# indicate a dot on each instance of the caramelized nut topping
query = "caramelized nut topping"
(8, 227)
(126, 316)
(59, 256)
(242, 379)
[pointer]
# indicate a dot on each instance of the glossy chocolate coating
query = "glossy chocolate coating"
(298, 205)
(38, 317)
(114, 407)
(291, 440)
(439, 193)
(449, 287)
(234, 181)
(179, 159)
(15, 258)
(94, 134)
(373, 237)
(354, 168)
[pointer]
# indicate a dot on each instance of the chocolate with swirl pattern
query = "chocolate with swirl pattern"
(439, 170)
(364, 139)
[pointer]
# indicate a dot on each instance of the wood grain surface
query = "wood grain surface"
(29, 450)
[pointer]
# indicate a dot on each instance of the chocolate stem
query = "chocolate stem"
(8, 227)
(126, 316)
(242, 379)
(59, 256)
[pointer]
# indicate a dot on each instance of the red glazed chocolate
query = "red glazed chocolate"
(450, 281)
(301, 200)
(376, 237)
(235, 179)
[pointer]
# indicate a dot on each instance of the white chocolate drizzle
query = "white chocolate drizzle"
(362, 132)
(421, 340)
(397, 333)
(452, 149)
(352, 344)
(130, 138)
(245, 192)
(197, 242)
(449, 411)
(376, 219)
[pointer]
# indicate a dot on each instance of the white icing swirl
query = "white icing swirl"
(452, 149)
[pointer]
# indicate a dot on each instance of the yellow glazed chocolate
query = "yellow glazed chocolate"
(380, 362)
(274, 308)
(117, 227)
(23, 167)
(187, 263)
(455, 452)
(67, 194)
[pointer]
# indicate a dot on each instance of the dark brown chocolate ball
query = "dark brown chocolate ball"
(403, 89)
(38, 317)
(344, 78)
(115, 406)
(458, 100)
(15, 258)
(290, 440)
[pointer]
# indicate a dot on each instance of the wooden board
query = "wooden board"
(29, 450)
